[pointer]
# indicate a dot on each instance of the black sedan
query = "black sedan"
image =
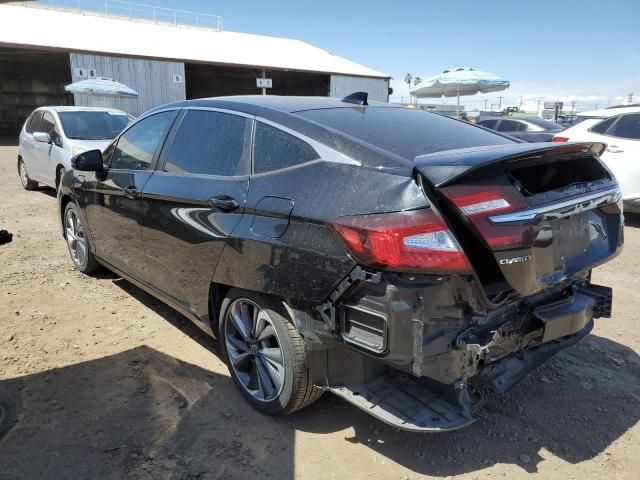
(405, 261)
(529, 129)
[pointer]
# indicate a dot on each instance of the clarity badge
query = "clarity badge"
(519, 259)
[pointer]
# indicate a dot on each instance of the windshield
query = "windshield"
(403, 131)
(93, 125)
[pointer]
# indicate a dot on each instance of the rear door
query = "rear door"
(194, 201)
(113, 197)
(29, 150)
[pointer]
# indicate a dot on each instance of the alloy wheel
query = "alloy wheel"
(76, 239)
(254, 350)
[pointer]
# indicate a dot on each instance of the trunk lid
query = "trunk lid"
(527, 215)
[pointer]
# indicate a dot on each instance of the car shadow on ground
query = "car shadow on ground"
(142, 413)
(632, 220)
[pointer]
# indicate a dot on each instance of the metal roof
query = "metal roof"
(22, 26)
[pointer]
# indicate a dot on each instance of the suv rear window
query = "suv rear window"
(404, 131)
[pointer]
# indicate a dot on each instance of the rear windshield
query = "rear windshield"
(404, 131)
(93, 125)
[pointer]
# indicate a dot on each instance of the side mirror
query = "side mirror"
(42, 137)
(89, 161)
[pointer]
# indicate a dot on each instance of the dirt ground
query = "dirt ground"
(112, 384)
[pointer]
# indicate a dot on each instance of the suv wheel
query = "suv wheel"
(265, 354)
(77, 242)
(27, 183)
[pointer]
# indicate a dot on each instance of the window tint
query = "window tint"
(48, 125)
(628, 126)
(137, 146)
(603, 126)
(488, 123)
(511, 126)
(33, 122)
(275, 149)
(404, 131)
(210, 143)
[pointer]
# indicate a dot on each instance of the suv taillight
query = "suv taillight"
(479, 202)
(560, 139)
(413, 241)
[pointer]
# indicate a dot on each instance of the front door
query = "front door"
(113, 197)
(194, 201)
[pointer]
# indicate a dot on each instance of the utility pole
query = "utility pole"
(596, 107)
(500, 104)
(520, 107)
(485, 104)
(573, 107)
(538, 107)
(630, 97)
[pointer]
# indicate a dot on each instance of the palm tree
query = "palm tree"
(417, 81)
(407, 79)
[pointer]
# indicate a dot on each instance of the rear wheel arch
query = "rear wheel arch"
(64, 201)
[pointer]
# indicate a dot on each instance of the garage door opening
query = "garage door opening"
(213, 81)
(30, 79)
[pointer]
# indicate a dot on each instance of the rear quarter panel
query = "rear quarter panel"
(296, 255)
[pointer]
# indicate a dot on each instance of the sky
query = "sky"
(582, 51)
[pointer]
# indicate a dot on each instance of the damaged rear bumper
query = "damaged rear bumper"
(426, 366)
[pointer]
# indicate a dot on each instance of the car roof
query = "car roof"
(66, 108)
(609, 112)
(260, 104)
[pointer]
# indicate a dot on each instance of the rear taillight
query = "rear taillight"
(413, 241)
(479, 202)
(560, 139)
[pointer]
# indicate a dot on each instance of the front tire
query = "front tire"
(77, 241)
(27, 183)
(265, 354)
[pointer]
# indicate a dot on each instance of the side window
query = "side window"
(33, 122)
(602, 127)
(627, 126)
(511, 126)
(137, 146)
(275, 149)
(488, 123)
(49, 126)
(209, 143)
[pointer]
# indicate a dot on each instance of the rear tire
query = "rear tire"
(77, 242)
(27, 183)
(265, 354)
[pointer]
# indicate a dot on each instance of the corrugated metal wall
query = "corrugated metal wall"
(157, 82)
(377, 88)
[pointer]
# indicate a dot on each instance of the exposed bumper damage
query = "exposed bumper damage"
(426, 367)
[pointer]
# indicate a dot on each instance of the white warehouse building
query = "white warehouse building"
(42, 49)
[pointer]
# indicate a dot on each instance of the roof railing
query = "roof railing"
(134, 12)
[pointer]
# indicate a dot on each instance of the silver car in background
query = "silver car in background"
(52, 135)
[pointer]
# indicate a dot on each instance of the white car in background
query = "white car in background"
(620, 130)
(52, 135)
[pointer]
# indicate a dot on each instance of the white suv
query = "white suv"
(52, 135)
(621, 132)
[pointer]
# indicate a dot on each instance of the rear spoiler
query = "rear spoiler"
(442, 168)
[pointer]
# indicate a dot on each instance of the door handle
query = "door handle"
(614, 149)
(131, 193)
(224, 203)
